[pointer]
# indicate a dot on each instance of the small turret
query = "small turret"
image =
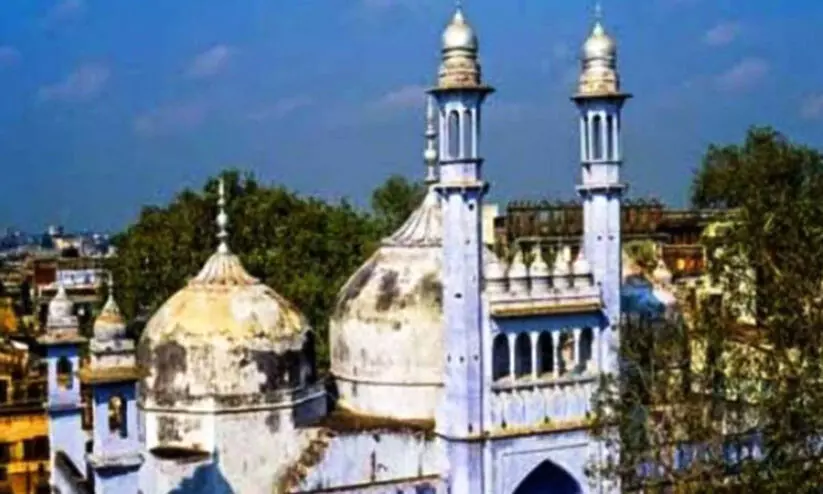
(539, 272)
(582, 271)
(496, 280)
(560, 271)
(519, 274)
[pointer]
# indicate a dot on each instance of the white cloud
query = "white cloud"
(210, 62)
(400, 99)
(63, 10)
(84, 83)
(812, 107)
(282, 108)
(171, 118)
(744, 74)
(9, 55)
(722, 34)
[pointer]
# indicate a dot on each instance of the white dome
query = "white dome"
(386, 334)
(459, 35)
(225, 339)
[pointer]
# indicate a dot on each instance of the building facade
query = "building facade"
(453, 369)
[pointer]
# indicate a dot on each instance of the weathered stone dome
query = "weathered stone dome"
(386, 334)
(225, 340)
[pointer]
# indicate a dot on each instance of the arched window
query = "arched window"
(597, 138)
(523, 355)
(586, 350)
(293, 368)
(500, 357)
(467, 139)
(65, 379)
(585, 137)
(609, 137)
(310, 357)
(546, 351)
(454, 135)
(117, 416)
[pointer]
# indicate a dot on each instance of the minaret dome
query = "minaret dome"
(598, 57)
(459, 35)
(460, 67)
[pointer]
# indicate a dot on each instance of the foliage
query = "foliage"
(393, 201)
(302, 247)
(700, 395)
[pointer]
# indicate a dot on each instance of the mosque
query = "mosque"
(452, 369)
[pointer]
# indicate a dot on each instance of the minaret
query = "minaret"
(600, 102)
(459, 94)
(112, 376)
(61, 344)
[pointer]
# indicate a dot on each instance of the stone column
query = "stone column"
(534, 336)
(556, 353)
(512, 355)
(605, 137)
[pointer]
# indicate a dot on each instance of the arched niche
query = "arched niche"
(548, 477)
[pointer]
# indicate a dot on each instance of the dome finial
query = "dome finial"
(430, 154)
(598, 11)
(222, 218)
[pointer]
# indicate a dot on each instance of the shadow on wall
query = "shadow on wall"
(207, 479)
(548, 477)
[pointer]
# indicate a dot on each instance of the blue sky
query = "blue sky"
(111, 104)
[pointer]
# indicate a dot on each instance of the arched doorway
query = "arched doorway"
(548, 478)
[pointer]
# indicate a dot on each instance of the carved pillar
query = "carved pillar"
(556, 353)
(512, 355)
(594, 363)
(534, 335)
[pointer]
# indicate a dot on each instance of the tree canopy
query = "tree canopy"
(303, 247)
(727, 398)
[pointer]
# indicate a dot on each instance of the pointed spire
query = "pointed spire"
(222, 218)
(430, 154)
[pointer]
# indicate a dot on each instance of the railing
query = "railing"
(544, 401)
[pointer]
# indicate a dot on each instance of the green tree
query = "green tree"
(303, 247)
(394, 201)
(745, 363)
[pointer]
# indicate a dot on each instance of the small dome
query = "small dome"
(110, 324)
(225, 334)
(61, 311)
(599, 45)
(459, 35)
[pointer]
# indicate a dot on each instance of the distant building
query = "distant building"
(24, 443)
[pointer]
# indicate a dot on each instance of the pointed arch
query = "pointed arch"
(310, 358)
(545, 350)
(453, 134)
(609, 138)
(117, 416)
(548, 477)
(500, 357)
(523, 355)
(466, 137)
(586, 350)
(65, 373)
(596, 145)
